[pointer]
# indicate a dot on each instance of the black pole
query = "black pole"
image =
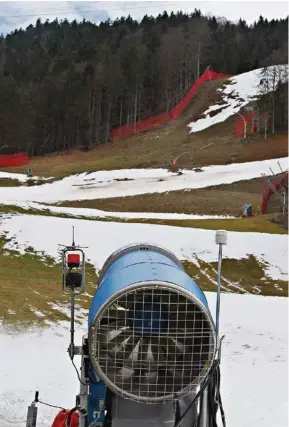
(72, 327)
(73, 242)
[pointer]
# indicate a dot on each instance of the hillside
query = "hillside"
(196, 139)
(66, 85)
(204, 134)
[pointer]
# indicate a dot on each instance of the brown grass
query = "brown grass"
(258, 224)
(9, 182)
(242, 276)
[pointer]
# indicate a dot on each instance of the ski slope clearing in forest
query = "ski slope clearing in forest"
(254, 362)
(44, 234)
(120, 183)
(237, 93)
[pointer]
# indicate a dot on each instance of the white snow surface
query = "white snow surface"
(239, 91)
(104, 184)
(102, 238)
(254, 365)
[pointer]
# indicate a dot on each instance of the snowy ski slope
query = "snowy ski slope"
(254, 365)
(130, 182)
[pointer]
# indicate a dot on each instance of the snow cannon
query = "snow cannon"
(142, 327)
(152, 352)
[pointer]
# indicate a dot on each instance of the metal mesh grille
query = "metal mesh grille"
(152, 344)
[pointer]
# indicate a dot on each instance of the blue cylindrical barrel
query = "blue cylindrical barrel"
(141, 263)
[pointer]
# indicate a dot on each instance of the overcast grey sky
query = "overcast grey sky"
(22, 13)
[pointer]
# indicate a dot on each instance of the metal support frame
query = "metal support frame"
(31, 415)
(282, 197)
(72, 291)
(245, 125)
(280, 167)
(221, 239)
(72, 329)
(84, 384)
(271, 185)
(218, 292)
(204, 422)
(284, 202)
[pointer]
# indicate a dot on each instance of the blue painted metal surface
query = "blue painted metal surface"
(139, 266)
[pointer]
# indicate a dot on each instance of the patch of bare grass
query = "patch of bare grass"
(30, 288)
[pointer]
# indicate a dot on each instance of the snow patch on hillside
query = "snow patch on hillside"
(238, 92)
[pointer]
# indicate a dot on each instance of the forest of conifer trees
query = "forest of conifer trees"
(67, 84)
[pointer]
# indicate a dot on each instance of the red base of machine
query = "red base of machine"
(61, 419)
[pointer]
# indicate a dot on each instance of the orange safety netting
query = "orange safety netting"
(160, 119)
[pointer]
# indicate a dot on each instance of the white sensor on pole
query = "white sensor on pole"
(221, 237)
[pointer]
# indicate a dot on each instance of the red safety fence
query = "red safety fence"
(207, 75)
(160, 119)
(278, 184)
(17, 159)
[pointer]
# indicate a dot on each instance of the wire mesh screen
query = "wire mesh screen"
(152, 344)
